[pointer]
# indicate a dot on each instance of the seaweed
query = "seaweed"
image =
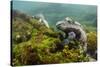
(33, 43)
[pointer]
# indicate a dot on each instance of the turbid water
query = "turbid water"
(54, 12)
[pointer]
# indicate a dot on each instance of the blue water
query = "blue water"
(54, 12)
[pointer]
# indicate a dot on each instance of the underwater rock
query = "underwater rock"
(68, 25)
(37, 44)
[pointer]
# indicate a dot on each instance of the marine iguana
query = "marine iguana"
(41, 19)
(68, 25)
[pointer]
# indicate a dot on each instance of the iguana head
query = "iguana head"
(68, 25)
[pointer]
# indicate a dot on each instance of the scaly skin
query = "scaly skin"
(68, 25)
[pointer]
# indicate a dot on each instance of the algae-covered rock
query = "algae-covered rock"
(33, 43)
(92, 44)
(28, 36)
